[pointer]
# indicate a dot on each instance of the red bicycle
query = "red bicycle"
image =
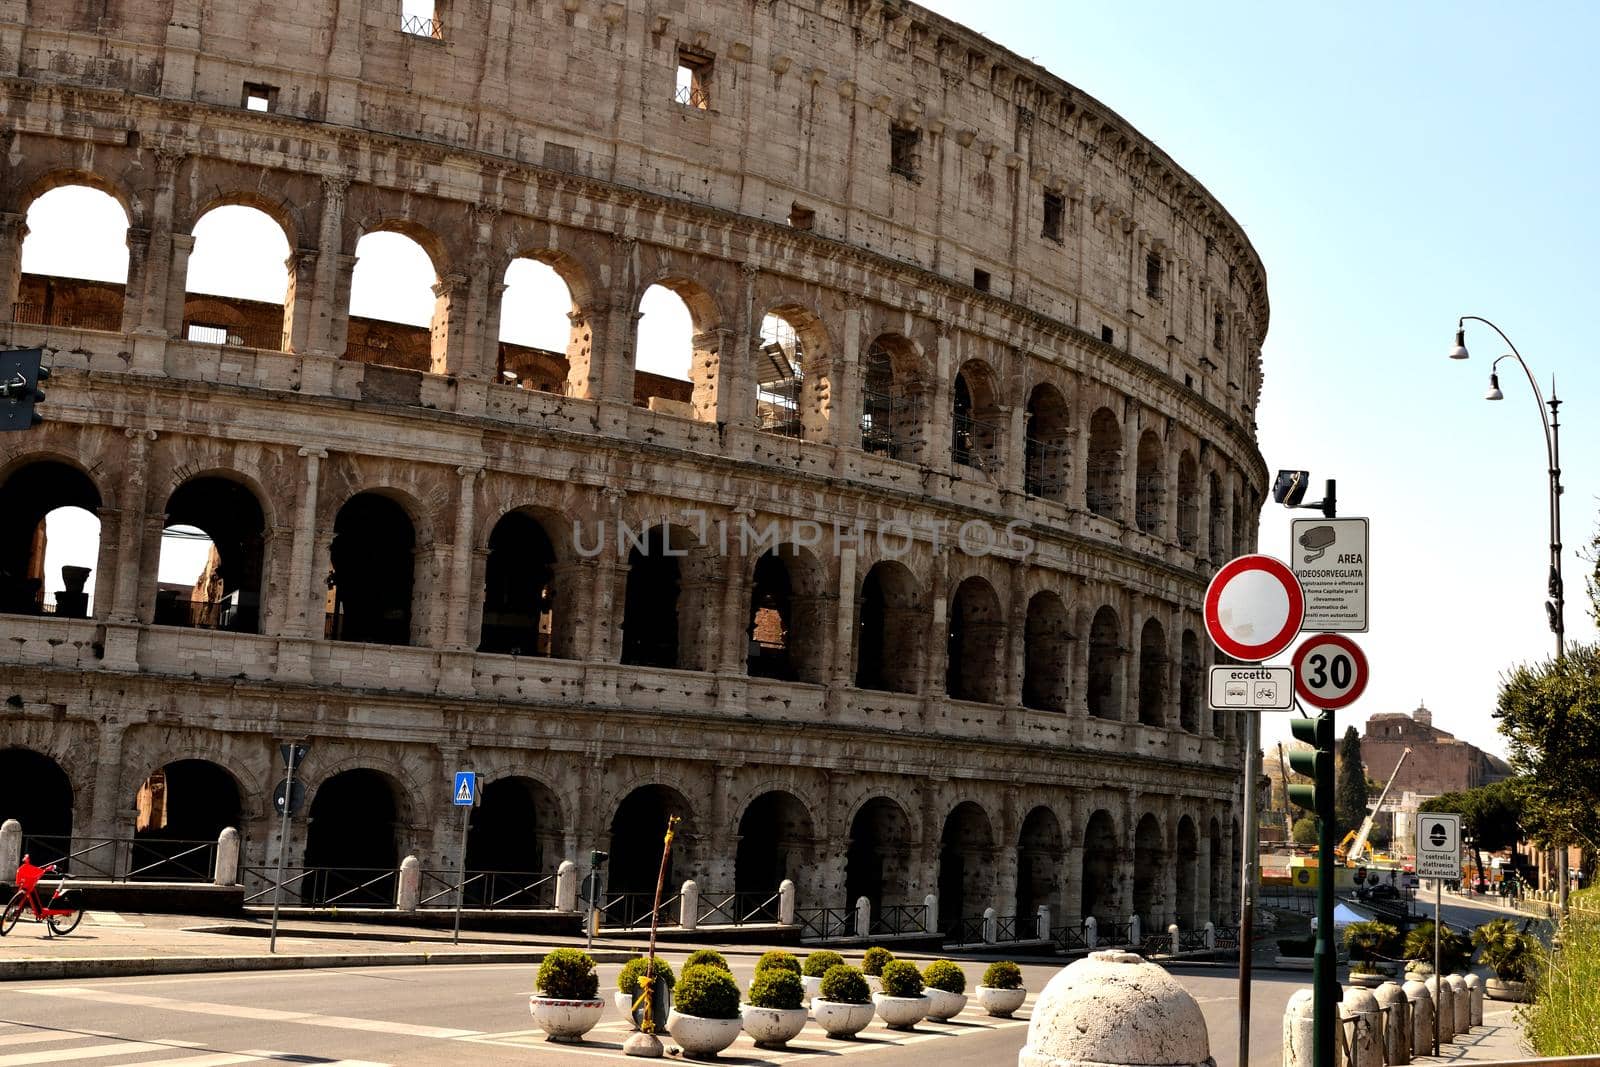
(59, 920)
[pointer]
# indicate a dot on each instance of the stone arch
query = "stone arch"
(226, 592)
(966, 865)
(1041, 850)
(1103, 493)
(353, 838)
(283, 212)
(1047, 650)
(787, 624)
(383, 333)
(666, 600)
(33, 489)
(217, 307)
(1219, 520)
(1153, 672)
(1150, 485)
(890, 629)
(565, 365)
(1188, 879)
(1191, 684)
(36, 791)
(374, 561)
(637, 830)
(181, 803)
(517, 830)
(973, 669)
(1105, 664)
(977, 429)
(894, 392)
(1149, 866)
(704, 355)
(51, 179)
(60, 281)
(528, 607)
(1046, 454)
(1100, 897)
(794, 367)
(776, 842)
(1188, 502)
(878, 860)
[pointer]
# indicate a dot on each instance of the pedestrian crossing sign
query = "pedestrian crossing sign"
(466, 790)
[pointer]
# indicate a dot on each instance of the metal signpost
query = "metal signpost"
(464, 795)
(287, 798)
(1438, 857)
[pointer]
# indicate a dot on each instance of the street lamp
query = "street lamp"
(1555, 607)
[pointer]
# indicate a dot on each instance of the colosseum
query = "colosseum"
(894, 591)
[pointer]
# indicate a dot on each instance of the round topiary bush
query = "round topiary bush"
(776, 987)
(567, 974)
(820, 962)
(945, 975)
(706, 991)
(706, 957)
(874, 958)
(901, 979)
(634, 970)
(1003, 974)
(779, 959)
(843, 984)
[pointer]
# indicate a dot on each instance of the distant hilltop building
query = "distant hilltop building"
(1440, 762)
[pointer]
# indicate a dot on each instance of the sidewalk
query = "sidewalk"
(1499, 1038)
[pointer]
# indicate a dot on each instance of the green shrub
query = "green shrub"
(843, 984)
(1003, 974)
(567, 974)
(945, 975)
(819, 962)
(633, 972)
(1455, 951)
(901, 979)
(874, 958)
(776, 987)
(1369, 941)
(706, 957)
(1562, 1020)
(1506, 949)
(779, 959)
(706, 991)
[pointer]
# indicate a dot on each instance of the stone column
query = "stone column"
(1127, 508)
(937, 417)
(572, 626)
(329, 310)
(176, 290)
(1203, 910)
(136, 309)
(449, 329)
(299, 300)
(13, 231)
(841, 673)
(1005, 884)
(736, 390)
(717, 850)
(1130, 663)
(460, 591)
(130, 549)
(304, 595)
(1071, 879)
(1016, 639)
(937, 641)
(105, 567)
(108, 810)
(844, 389)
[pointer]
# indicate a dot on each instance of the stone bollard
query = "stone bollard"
(1444, 1007)
(1421, 1018)
(688, 905)
(226, 869)
(1475, 999)
(1041, 923)
(1174, 937)
(1462, 1001)
(931, 902)
(1211, 935)
(991, 926)
(408, 894)
(786, 893)
(1091, 932)
(1365, 1037)
(567, 887)
(863, 918)
(1396, 1038)
(10, 849)
(1115, 1008)
(1298, 1033)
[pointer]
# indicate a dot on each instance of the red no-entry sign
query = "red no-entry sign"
(1254, 608)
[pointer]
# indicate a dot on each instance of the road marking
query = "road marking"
(93, 1052)
(36, 1036)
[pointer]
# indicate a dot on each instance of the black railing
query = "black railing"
(1046, 469)
(1192, 940)
(324, 887)
(206, 615)
(693, 96)
(488, 890)
(736, 909)
(1070, 938)
(629, 911)
(900, 919)
(1155, 945)
(79, 318)
(418, 26)
(239, 335)
(973, 441)
(1114, 933)
(1007, 928)
(122, 859)
(825, 924)
(959, 931)
(1227, 936)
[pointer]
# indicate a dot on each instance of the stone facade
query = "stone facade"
(1016, 312)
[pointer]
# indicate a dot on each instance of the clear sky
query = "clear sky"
(1396, 166)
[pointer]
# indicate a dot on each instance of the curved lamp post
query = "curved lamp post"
(1555, 607)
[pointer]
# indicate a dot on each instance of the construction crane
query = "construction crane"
(1354, 844)
(1288, 808)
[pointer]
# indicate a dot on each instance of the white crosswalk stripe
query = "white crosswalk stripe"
(92, 1052)
(35, 1037)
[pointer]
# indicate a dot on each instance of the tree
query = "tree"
(1305, 830)
(1350, 797)
(1550, 713)
(1491, 816)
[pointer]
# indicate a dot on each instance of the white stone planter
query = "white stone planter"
(1499, 990)
(901, 1013)
(841, 1020)
(811, 986)
(772, 1028)
(1367, 981)
(624, 1003)
(1000, 1002)
(943, 1005)
(565, 1020)
(701, 1037)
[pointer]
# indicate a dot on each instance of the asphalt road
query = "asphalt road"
(478, 1015)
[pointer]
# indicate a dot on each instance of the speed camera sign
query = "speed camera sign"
(1330, 671)
(1438, 845)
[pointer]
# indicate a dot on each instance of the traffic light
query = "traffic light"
(20, 375)
(1316, 764)
(598, 859)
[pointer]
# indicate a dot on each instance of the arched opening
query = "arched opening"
(782, 398)
(352, 841)
(966, 867)
(787, 623)
(1039, 856)
(237, 284)
(889, 630)
(775, 841)
(74, 261)
(1188, 502)
(892, 390)
(676, 366)
(1105, 665)
(637, 832)
(1153, 667)
(538, 328)
(977, 631)
(1046, 458)
(877, 864)
(1188, 875)
(1219, 519)
(212, 552)
(1150, 485)
(179, 808)
(1100, 898)
(975, 423)
(36, 792)
(1219, 871)
(1047, 651)
(1191, 679)
(1103, 494)
(49, 541)
(1149, 863)
(662, 618)
(520, 595)
(397, 304)
(514, 839)
(373, 555)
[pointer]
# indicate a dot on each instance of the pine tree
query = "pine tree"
(1350, 797)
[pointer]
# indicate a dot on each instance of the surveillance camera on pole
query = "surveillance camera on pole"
(21, 371)
(1289, 489)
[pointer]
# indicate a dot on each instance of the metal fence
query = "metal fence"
(124, 859)
(894, 919)
(959, 931)
(80, 318)
(1112, 932)
(736, 909)
(323, 887)
(417, 26)
(629, 911)
(237, 335)
(511, 890)
(825, 924)
(1070, 938)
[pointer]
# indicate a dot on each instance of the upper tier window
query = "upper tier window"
(903, 141)
(420, 18)
(694, 80)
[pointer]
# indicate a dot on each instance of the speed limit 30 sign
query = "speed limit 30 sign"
(1330, 671)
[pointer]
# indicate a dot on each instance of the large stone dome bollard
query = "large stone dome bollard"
(1396, 1039)
(1444, 1007)
(1298, 1037)
(1475, 999)
(1421, 1018)
(1462, 1001)
(1365, 1037)
(1114, 1008)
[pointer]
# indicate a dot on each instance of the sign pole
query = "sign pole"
(1438, 977)
(1325, 987)
(461, 869)
(283, 844)
(1247, 882)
